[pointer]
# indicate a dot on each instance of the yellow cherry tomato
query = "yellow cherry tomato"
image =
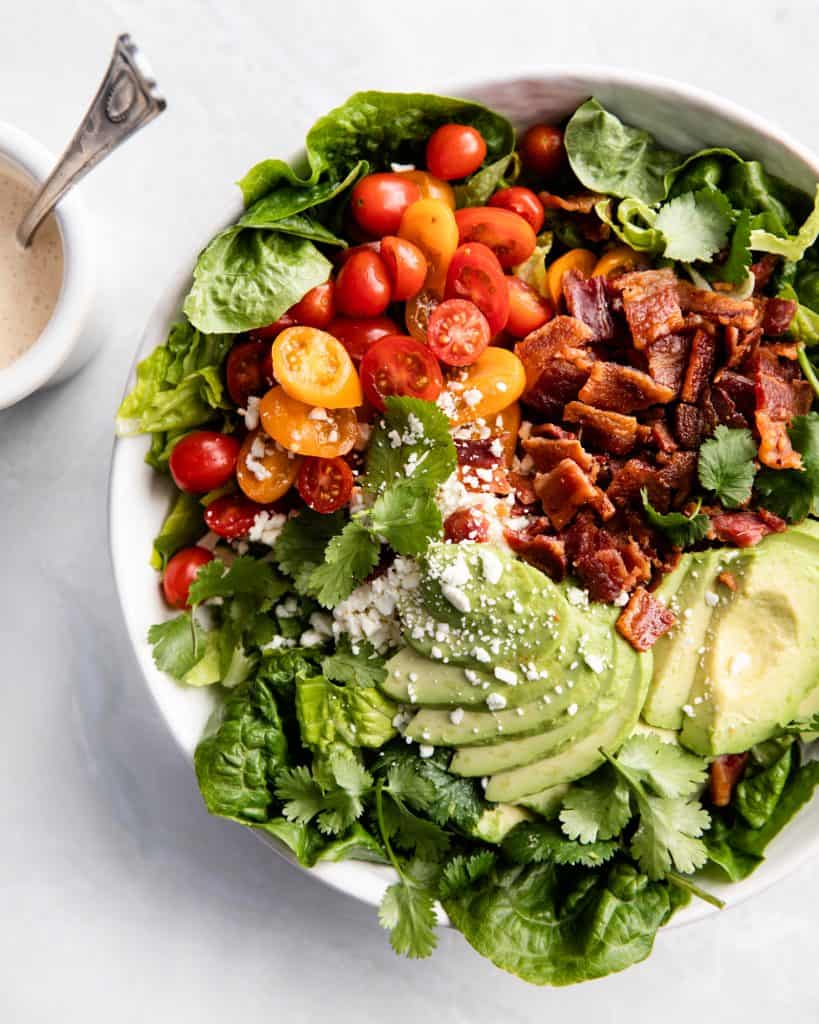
(487, 387)
(619, 260)
(505, 425)
(264, 471)
(417, 313)
(315, 368)
(431, 187)
(305, 429)
(430, 224)
(583, 260)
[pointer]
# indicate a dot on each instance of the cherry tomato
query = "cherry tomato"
(315, 368)
(541, 149)
(180, 572)
(475, 274)
(264, 470)
(406, 265)
(583, 260)
(249, 371)
(306, 430)
(232, 515)
(357, 335)
(466, 524)
(397, 365)
(340, 256)
(203, 461)
(458, 332)
(363, 285)
(431, 187)
(455, 151)
(378, 202)
(430, 224)
(417, 313)
(523, 202)
(619, 260)
(315, 309)
(527, 310)
(325, 484)
(507, 234)
(498, 378)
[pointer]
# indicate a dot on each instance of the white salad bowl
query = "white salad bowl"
(682, 118)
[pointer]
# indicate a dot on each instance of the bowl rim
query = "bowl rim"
(363, 880)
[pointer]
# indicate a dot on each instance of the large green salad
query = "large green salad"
(494, 466)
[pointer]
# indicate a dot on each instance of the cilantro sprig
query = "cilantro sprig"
(726, 465)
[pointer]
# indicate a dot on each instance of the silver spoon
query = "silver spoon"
(125, 101)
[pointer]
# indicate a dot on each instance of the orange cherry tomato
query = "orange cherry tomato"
(325, 484)
(378, 201)
(363, 285)
(523, 202)
(583, 260)
(180, 572)
(357, 335)
(476, 275)
(419, 309)
(619, 260)
(306, 429)
(486, 387)
(315, 368)
(507, 234)
(458, 332)
(430, 224)
(455, 151)
(265, 471)
(397, 365)
(406, 265)
(527, 310)
(315, 309)
(431, 187)
(541, 150)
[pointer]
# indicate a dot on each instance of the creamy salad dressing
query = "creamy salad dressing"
(30, 279)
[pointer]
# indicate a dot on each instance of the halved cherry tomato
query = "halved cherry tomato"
(583, 260)
(357, 335)
(265, 471)
(305, 429)
(378, 201)
(397, 365)
(363, 285)
(325, 484)
(475, 274)
(466, 524)
(315, 368)
(315, 309)
(541, 149)
(430, 224)
(249, 370)
(203, 461)
(486, 387)
(180, 572)
(458, 332)
(527, 310)
(417, 313)
(619, 260)
(406, 265)
(507, 234)
(455, 151)
(431, 187)
(523, 202)
(232, 515)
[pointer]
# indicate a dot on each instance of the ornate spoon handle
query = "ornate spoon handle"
(125, 101)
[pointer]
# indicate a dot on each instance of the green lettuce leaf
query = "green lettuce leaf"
(183, 525)
(274, 193)
(756, 796)
(794, 493)
(792, 247)
(358, 716)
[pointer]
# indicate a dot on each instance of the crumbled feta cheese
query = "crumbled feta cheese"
(311, 638)
(711, 599)
(688, 710)
(253, 462)
(318, 414)
(577, 597)
(571, 710)
(481, 654)
(472, 396)
(621, 600)
(491, 564)
(436, 653)
(595, 662)
(495, 701)
(456, 597)
(425, 750)
(446, 403)
(369, 612)
(456, 716)
(278, 642)
(266, 527)
(501, 386)
(506, 675)
(251, 413)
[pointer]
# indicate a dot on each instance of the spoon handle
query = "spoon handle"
(125, 101)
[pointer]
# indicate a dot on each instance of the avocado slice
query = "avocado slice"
(762, 656)
(546, 802)
(582, 756)
(496, 822)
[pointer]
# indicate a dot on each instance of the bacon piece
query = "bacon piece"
(622, 388)
(587, 300)
(604, 574)
(746, 314)
(661, 437)
(739, 391)
(779, 397)
(763, 270)
(644, 620)
(725, 772)
(689, 425)
(466, 524)
(547, 452)
(553, 431)
(727, 579)
(555, 364)
(546, 552)
(537, 349)
(677, 472)
(625, 487)
(700, 367)
(667, 360)
(583, 203)
(778, 316)
(744, 529)
(563, 491)
(485, 452)
(651, 304)
(739, 345)
(609, 431)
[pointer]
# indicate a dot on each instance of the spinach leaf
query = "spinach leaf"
(270, 198)
(477, 190)
(300, 225)
(756, 796)
(183, 525)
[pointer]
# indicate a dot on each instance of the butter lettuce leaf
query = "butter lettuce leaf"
(792, 247)
(183, 525)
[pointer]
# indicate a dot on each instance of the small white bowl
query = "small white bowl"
(67, 340)
(681, 117)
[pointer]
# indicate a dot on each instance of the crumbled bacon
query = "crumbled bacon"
(587, 300)
(661, 437)
(545, 551)
(625, 487)
(524, 488)
(547, 452)
(677, 472)
(583, 203)
(778, 316)
(727, 579)
(559, 335)
(466, 524)
(700, 367)
(604, 574)
(607, 431)
(563, 490)
(746, 314)
(651, 304)
(484, 452)
(622, 388)
(779, 397)
(744, 529)
(644, 620)
(763, 270)
(689, 425)
(725, 772)
(667, 360)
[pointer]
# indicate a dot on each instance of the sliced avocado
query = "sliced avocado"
(810, 527)
(583, 756)
(495, 822)
(547, 802)
(761, 660)
(665, 735)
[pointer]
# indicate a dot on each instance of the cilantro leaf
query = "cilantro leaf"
(304, 538)
(726, 465)
(681, 530)
(695, 225)
(246, 577)
(668, 769)
(405, 783)
(461, 872)
(349, 557)
(407, 517)
(336, 801)
(364, 668)
(412, 440)
(301, 795)
(736, 267)
(426, 839)
(794, 493)
(536, 842)
(408, 913)
(177, 645)
(597, 808)
(669, 832)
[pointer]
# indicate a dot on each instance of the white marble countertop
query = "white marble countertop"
(120, 899)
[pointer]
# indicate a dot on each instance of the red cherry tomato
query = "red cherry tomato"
(458, 332)
(325, 484)
(466, 524)
(203, 461)
(180, 572)
(398, 365)
(507, 234)
(232, 515)
(455, 151)
(378, 201)
(315, 309)
(363, 285)
(357, 335)
(406, 265)
(523, 202)
(527, 310)
(475, 274)
(249, 370)
(541, 149)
